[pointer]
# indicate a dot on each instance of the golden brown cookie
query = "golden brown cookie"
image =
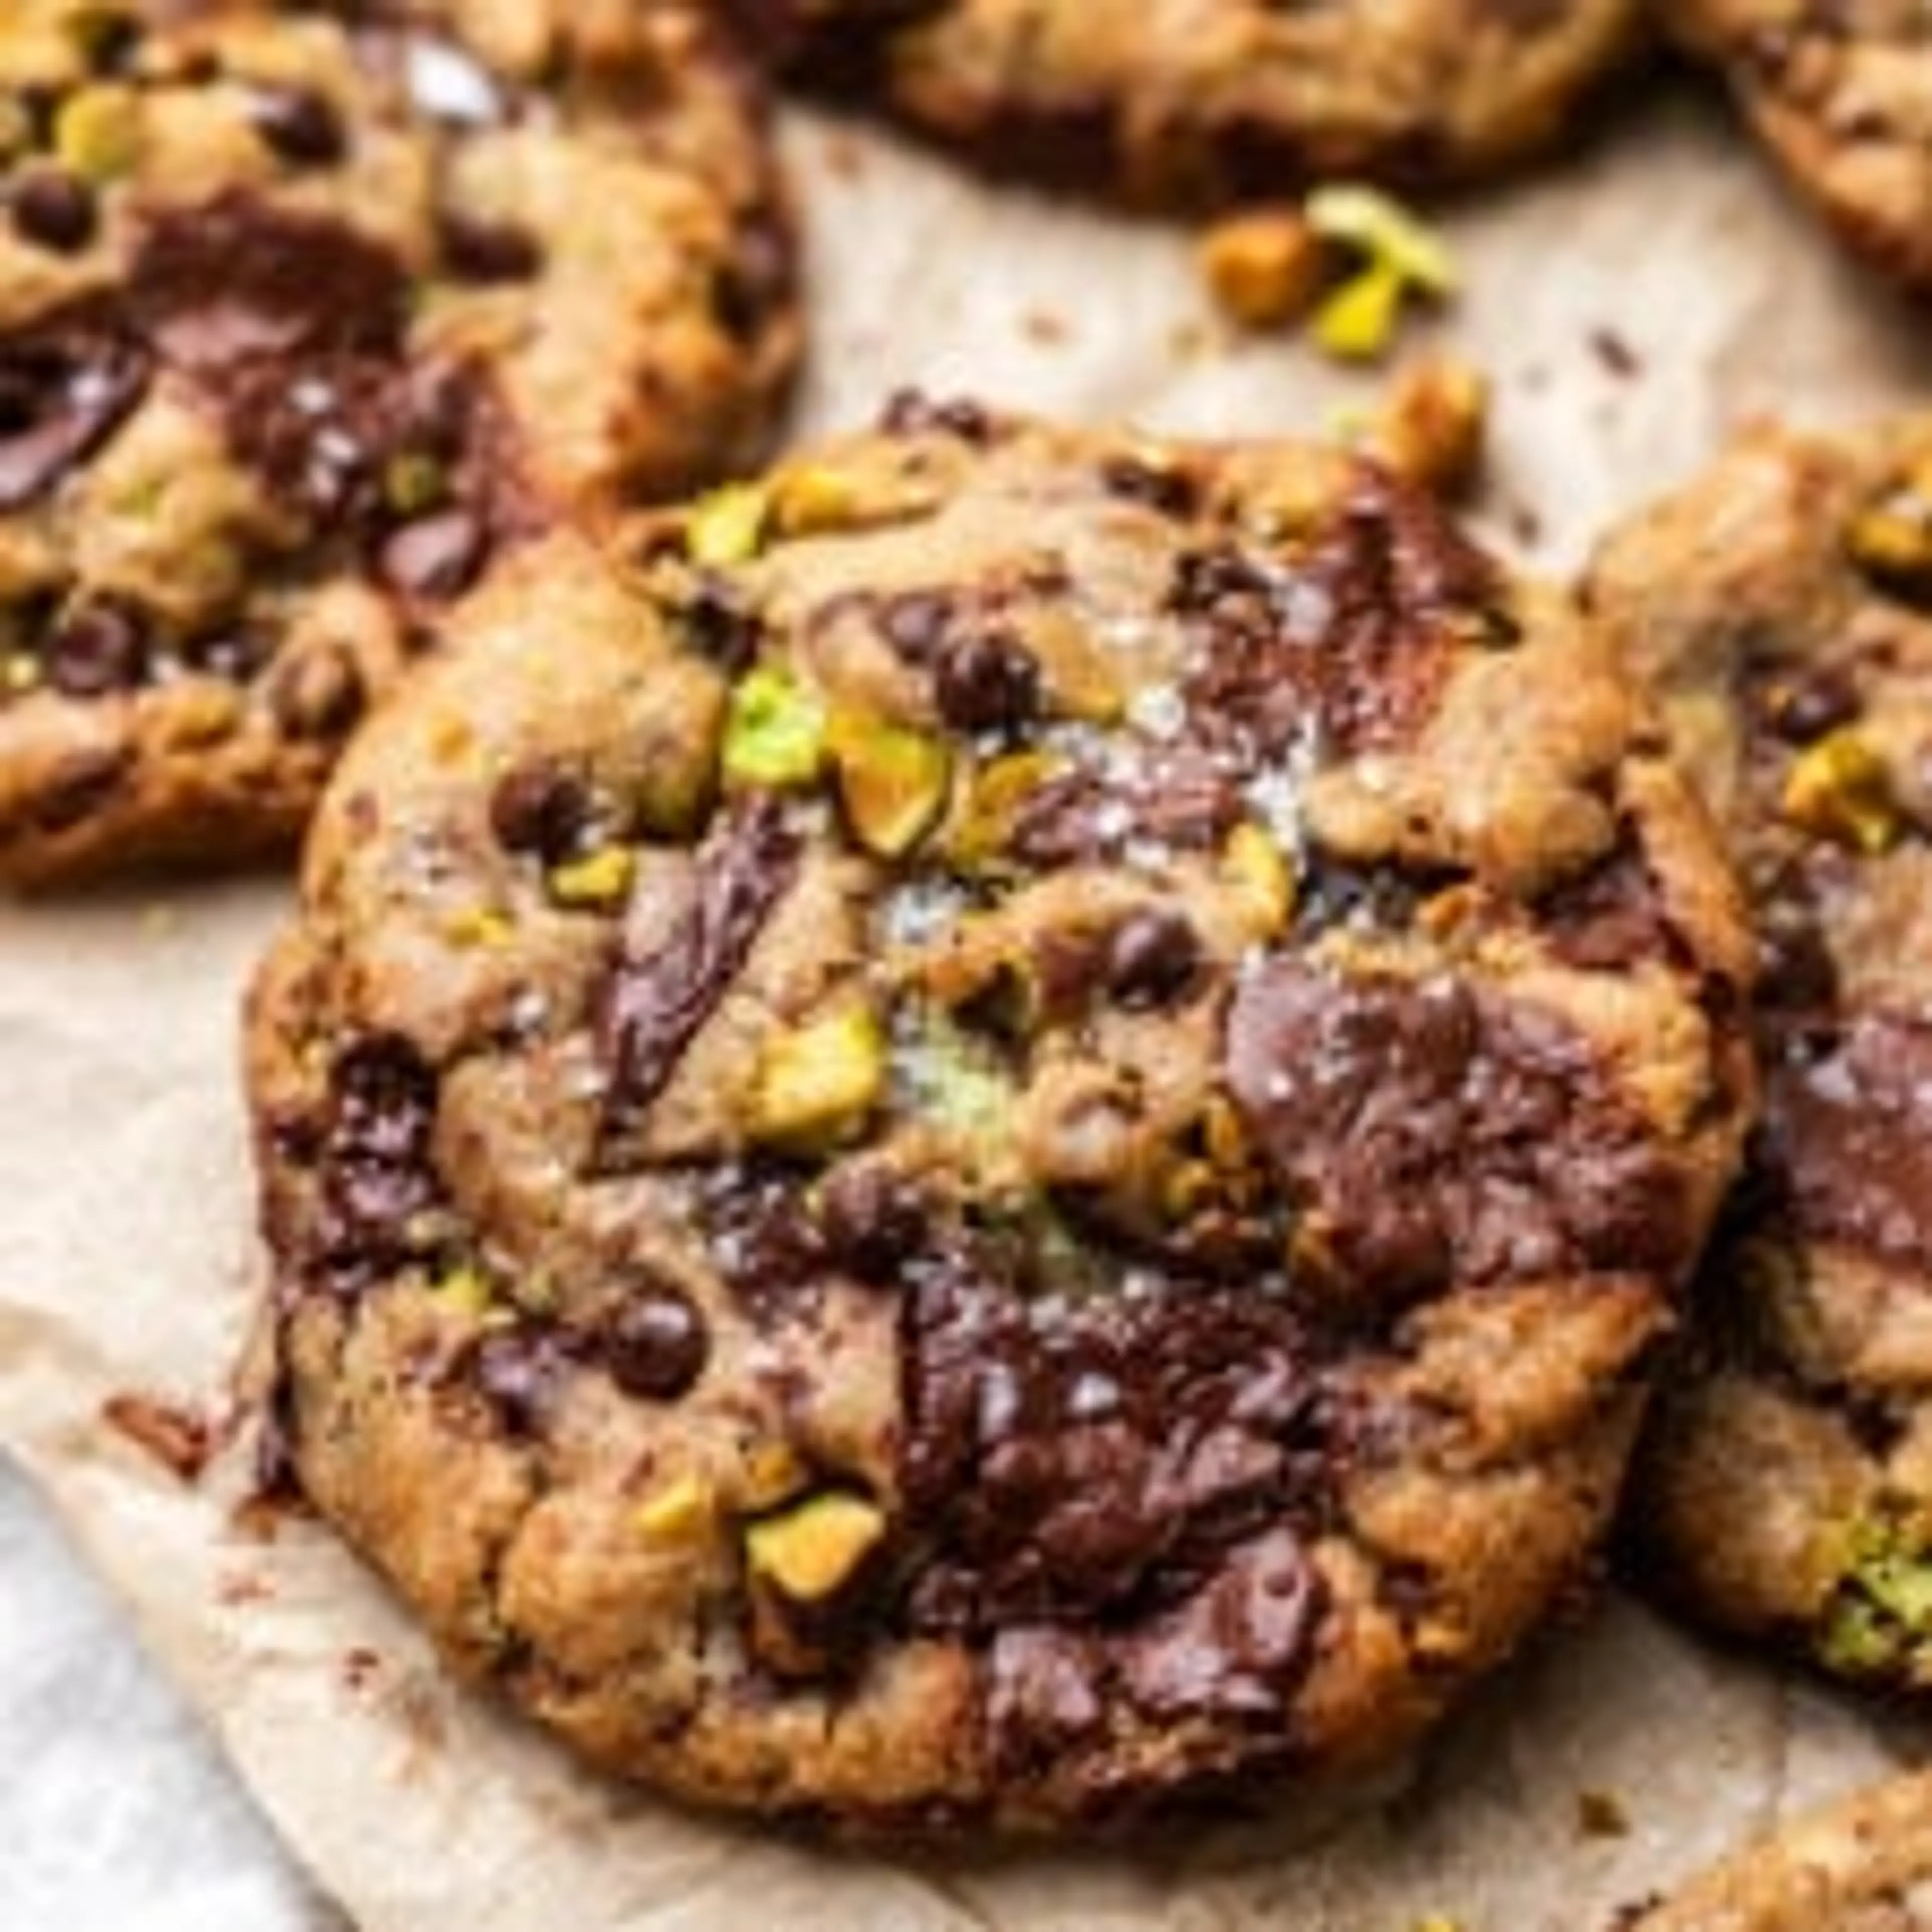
(999, 1135)
(1841, 91)
(1781, 608)
(1864, 1864)
(1192, 102)
(302, 317)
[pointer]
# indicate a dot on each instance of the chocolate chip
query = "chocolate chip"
(377, 1181)
(1805, 704)
(67, 382)
(987, 681)
(436, 556)
(478, 250)
(303, 127)
(1152, 959)
(539, 809)
(1172, 492)
(873, 1218)
(656, 1344)
(719, 625)
(100, 648)
(55, 210)
(317, 692)
(909, 412)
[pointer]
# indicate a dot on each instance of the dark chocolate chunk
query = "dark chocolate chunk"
(67, 383)
(874, 1218)
(909, 412)
(656, 1001)
(1847, 1139)
(476, 250)
(1435, 1134)
(520, 1372)
(376, 1177)
(317, 692)
(1172, 492)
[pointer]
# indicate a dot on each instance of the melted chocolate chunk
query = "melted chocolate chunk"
(1179, 797)
(1083, 1462)
(656, 1001)
(1612, 917)
(1801, 703)
(1435, 1135)
(235, 280)
(1846, 1145)
(101, 648)
(909, 412)
(720, 626)
(67, 383)
(488, 252)
(376, 1173)
(1347, 642)
(1172, 492)
(656, 1344)
(55, 210)
(760, 1238)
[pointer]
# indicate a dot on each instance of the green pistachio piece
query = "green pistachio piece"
(892, 782)
(1386, 234)
(413, 481)
(1840, 789)
(775, 735)
(596, 882)
(812, 1550)
(727, 526)
(97, 132)
(819, 1083)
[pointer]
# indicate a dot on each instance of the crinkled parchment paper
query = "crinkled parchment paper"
(1631, 306)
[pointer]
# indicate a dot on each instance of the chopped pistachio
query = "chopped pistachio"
(1400, 257)
(478, 926)
(984, 834)
(775, 735)
(19, 670)
(814, 496)
(774, 1471)
(958, 1083)
(597, 881)
(892, 782)
(1841, 789)
(413, 481)
(97, 132)
(464, 1291)
(1377, 227)
(1880, 1617)
(818, 1083)
(1357, 322)
(1263, 266)
(1891, 538)
(1257, 870)
(678, 1512)
(727, 526)
(814, 1549)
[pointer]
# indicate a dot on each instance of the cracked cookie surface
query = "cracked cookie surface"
(1841, 91)
(996, 1133)
(303, 316)
(1863, 1864)
(1781, 608)
(1188, 103)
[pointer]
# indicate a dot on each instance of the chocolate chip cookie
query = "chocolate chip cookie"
(302, 316)
(997, 1131)
(1194, 103)
(1864, 1864)
(1841, 90)
(1782, 607)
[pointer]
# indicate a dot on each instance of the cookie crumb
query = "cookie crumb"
(178, 1437)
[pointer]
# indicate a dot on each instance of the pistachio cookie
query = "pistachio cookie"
(998, 1132)
(1842, 93)
(1781, 606)
(302, 317)
(1193, 103)
(1864, 1864)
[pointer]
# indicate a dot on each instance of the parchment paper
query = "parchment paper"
(127, 1262)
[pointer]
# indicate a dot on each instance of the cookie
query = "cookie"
(1864, 1864)
(996, 1133)
(1781, 606)
(1842, 93)
(1201, 103)
(301, 319)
